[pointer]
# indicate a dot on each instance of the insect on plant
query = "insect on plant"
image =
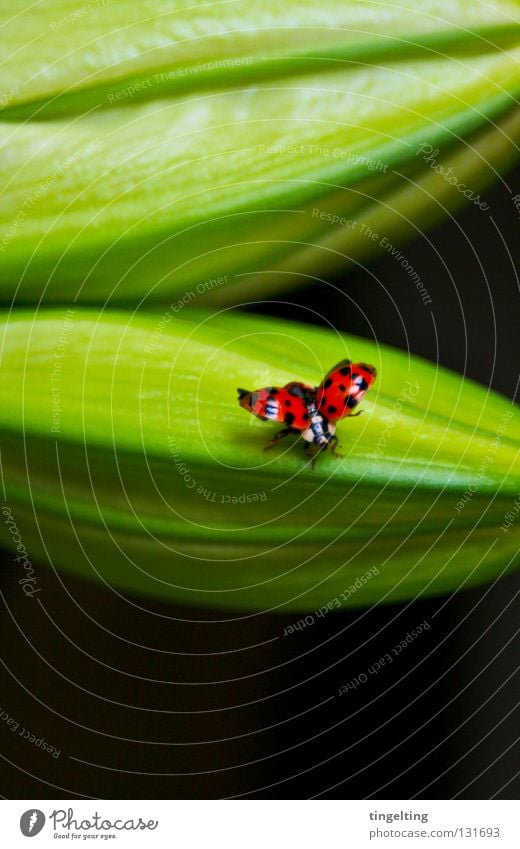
(312, 412)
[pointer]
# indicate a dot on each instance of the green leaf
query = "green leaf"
(146, 147)
(126, 458)
(62, 55)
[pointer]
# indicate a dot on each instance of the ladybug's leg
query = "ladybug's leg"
(333, 444)
(353, 415)
(276, 438)
(314, 458)
(312, 451)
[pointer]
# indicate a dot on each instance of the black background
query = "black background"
(227, 706)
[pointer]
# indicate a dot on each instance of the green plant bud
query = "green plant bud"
(127, 459)
(147, 146)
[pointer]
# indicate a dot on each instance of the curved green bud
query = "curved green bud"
(126, 458)
(148, 146)
(62, 56)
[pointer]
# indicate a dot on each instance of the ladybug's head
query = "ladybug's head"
(244, 399)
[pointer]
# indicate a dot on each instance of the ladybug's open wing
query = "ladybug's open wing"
(287, 404)
(343, 388)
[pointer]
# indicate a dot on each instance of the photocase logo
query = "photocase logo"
(32, 822)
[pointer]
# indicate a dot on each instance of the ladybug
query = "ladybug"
(312, 411)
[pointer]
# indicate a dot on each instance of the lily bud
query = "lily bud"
(145, 147)
(127, 459)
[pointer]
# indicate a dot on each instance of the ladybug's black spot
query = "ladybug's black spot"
(342, 387)
(351, 402)
(288, 419)
(327, 383)
(345, 370)
(287, 403)
(332, 410)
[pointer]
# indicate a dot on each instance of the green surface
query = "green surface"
(127, 458)
(146, 146)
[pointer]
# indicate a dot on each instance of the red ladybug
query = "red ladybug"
(312, 411)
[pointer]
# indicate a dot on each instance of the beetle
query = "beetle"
(312, 412)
